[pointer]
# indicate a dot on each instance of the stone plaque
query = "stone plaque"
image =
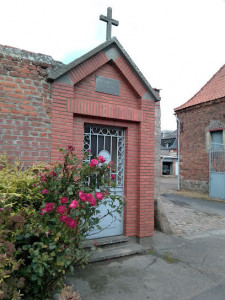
(107, 85)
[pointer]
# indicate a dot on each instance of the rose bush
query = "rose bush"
(47, 234)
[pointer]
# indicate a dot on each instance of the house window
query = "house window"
(217, 138)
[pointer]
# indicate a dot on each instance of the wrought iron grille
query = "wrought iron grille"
(111, 139)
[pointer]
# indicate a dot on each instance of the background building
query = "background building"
(202, 123)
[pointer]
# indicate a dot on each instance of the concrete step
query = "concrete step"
(111, 247)
(106, 242)
(101, 254)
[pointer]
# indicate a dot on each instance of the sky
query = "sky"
(177, 44)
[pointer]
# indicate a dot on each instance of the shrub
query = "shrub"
(44, 239)
(18, 186)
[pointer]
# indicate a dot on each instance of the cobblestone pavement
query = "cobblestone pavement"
(185, 220)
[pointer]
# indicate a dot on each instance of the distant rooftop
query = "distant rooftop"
(212, 90)
(168, 140)
(168, 134)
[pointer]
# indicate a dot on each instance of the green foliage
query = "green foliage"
(18, 186)
(43, 220)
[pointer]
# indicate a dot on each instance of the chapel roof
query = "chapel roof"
(106, 47)
(212, 90)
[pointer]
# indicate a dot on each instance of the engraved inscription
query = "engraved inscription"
(107, 85)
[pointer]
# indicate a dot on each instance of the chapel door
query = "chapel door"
(108, 142)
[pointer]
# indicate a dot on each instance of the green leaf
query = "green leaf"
(52, 246)
(33, 277)
(26, 247)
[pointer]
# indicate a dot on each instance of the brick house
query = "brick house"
(100, 101)
(202, 122)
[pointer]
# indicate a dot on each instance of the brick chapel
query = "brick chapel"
(100, 101)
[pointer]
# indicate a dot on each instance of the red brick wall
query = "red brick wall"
(25, 106)
(195, 124)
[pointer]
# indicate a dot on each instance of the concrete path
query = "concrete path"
(188, 265)
(175, 269)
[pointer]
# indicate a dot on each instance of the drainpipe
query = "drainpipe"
(178, 151)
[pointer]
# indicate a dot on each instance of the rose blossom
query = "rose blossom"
(70, 222)
(61, 209)
(48, 207)
(73, 204)
(82, 196)
(63, 218)
(90, 198)
(44, 192)
(112, 176)
(53, 174)
(101, 158)
(99, 196)
(71, 148)
(64, 200)
(43, 178)
(93, 163)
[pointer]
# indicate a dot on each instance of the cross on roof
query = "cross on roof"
(109, 22)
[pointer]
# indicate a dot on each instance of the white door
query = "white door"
(108, 142)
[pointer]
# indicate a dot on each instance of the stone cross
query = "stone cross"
(109, 22)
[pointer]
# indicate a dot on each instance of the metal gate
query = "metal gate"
(108, 142)
(217, 171)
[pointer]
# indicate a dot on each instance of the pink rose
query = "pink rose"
(53, 174)
(101, 158)
(93, 163)
(63, 218)
(48, 207)
(112, 176)
(71, 148)
(43, 178)
(73, 204)
(89, 151)
(61, 209)
(47, 233)
(82, 196)
(99, 196)
(70, 222)
(44, 192)
(64, 200)
(90, 199)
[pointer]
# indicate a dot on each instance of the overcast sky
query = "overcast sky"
(177, 44)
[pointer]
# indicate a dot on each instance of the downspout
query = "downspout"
(178, 151)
